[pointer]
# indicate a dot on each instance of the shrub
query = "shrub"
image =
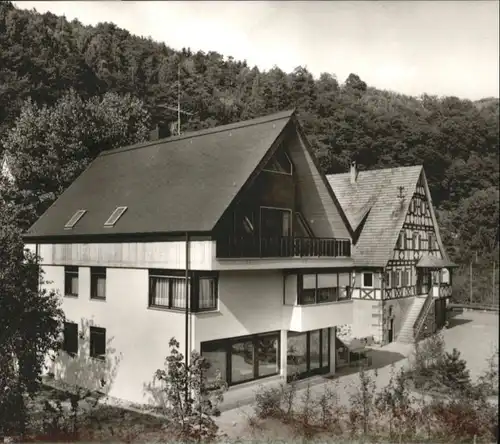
(276, 402)
(189, 402)
(488, 381)
(362, 403)
(453, 373)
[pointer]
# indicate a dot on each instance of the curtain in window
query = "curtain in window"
(160, 291)
(178, 293)
(101, 286)
(207, 293)
(74, 283)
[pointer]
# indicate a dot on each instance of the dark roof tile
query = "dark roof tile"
(179, 184)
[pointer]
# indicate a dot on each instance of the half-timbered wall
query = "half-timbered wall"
(362, 291)
(416, 237)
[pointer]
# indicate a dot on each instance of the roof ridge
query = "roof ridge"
(203, 132)
(378, 169)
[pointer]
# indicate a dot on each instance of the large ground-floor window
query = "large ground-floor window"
(244, 358)
(308, 353)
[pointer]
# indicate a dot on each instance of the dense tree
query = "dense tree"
(42, 55)
(31, 320)
(49, 147)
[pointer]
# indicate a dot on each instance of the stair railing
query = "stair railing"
(420, 321)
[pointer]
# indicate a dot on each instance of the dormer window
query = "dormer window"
(115, 215)
(74, 219)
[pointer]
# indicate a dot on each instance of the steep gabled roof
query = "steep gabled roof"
(374, 196)
(179, 184)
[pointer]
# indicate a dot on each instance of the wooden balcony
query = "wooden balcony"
(275, 247)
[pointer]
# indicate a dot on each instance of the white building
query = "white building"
(269, 270)
(268, 246)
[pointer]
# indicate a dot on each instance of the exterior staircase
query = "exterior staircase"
(406, 333)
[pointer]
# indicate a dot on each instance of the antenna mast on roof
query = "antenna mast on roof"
(178, 108)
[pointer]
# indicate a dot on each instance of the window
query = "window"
(318, 288)
(416, 241)
(445, 276)
(207, 293)
(167, 289)
(303, 226)
(267, 354)
(97, 283)
(243, 359)
(247, 225)
(74, 219)
(308, 352)
(115, 215)
(431, 241)
(405, 278)
(395, 278)
(308, 293)
(97, 342)
(280, 163)
(70, 341)
(327, 287)
(216, 354)
(368, 280)
(275, 222)
(422, 207)
(71, 281)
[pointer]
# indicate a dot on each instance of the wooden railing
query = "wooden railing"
(420, 321)
(445, 290)
(260, 247)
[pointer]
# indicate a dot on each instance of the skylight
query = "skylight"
(115, 215)
(74, 219)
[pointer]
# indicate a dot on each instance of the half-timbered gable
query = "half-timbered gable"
(398, 251)
(418, 239)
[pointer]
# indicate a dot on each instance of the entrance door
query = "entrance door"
(390, 333)
(423, 281)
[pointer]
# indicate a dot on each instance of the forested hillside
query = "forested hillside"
(43, 56)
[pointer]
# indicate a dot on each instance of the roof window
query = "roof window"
(115, 215)
(74, 219)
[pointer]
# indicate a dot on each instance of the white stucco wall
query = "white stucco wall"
(137, 337)
(365, 318)
(249, 302)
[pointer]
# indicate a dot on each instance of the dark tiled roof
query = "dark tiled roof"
(428, 261)
(374, 195)
(183, 183)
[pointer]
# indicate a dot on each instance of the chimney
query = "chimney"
(353, 172)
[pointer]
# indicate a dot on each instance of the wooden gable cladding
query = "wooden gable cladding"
(314, 196)
(305, 192)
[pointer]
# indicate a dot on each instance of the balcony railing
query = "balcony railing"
(267, 247)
